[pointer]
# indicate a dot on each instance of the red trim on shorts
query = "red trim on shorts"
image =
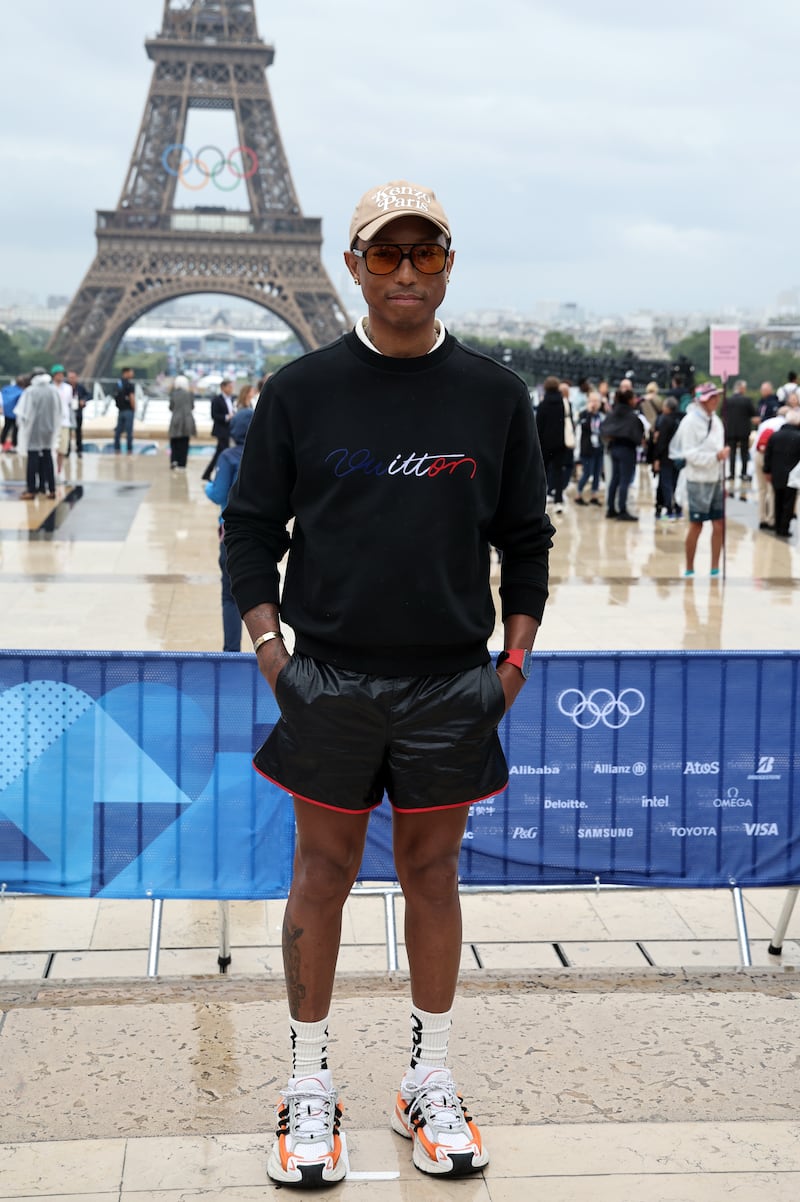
(455, 805)
(323, 804)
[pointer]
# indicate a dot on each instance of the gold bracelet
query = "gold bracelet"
(264, 638)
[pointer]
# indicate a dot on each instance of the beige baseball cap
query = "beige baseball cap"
(386, 203)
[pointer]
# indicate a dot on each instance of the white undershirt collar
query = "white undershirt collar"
(361, 333)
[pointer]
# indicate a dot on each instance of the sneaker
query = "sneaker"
(595, 501)
(431, 1114)
(558, 508)
(308, 1150)
(579, 500)
(624, 516)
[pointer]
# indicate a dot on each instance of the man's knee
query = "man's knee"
(432, 879)
(328, 877)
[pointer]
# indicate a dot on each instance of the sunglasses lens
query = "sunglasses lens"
(430, 260)
(382, 260)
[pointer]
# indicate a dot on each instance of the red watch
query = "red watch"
(519, 658)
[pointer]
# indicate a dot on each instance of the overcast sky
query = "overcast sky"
(614, 153)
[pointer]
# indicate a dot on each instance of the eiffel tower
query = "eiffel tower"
(208, 55)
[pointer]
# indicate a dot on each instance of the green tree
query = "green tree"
(9, 355)
(146, 364)
(560, 340)
(755, 366)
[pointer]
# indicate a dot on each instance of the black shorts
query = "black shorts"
(343, 738)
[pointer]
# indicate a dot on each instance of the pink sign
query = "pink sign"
(724, 352)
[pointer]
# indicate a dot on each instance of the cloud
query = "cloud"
(578, 148)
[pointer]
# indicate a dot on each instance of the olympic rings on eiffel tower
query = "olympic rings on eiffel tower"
(231, 164)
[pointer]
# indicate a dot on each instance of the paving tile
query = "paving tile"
(47, 923)
(186, 1162)
(638, 915)
(42, 1169)
(603, 954)
(709, 914)
(532, 917)
(706, 1187)
(499, 956)
(19, 967)
(591, 1149)
(126, 924)
(717, 953)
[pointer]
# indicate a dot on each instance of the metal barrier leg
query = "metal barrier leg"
(155, 937)
(391, 932)
(741, 927)
(224, 957)
(776, 947)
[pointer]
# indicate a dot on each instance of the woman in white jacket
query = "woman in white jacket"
(700, 442)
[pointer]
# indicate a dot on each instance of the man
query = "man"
(740, 417)
(125, 398)
(39, 417)
(402, 457)
(788, 392)
(80, 396)
(10, 394)
(64, 390)
(217, 491)
(768, 404)
(700, 441)
(221, 414)
(783, 454)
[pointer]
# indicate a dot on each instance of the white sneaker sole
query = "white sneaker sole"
(458, 1164)
(313, 1175)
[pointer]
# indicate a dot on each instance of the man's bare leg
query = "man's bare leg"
(328, 855)
(426, 852)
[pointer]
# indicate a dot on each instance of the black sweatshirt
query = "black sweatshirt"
(400, 474)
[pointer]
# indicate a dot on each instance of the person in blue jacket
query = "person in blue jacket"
(11, 394)
(217, 491)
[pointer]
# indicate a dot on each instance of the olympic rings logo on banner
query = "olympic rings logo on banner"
(242, 167)
(600, 706)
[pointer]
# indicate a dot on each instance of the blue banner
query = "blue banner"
(129, 775)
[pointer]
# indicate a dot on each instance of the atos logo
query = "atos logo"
(701, 768)
(525, 832)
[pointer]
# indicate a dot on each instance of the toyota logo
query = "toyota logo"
(600, 706)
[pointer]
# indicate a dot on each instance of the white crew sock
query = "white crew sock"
(309, 1047)
(430, 1034)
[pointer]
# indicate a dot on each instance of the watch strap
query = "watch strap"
(520, 657)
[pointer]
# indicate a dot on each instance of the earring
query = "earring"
(355, 281)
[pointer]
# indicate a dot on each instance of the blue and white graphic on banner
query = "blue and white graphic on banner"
(129, 775)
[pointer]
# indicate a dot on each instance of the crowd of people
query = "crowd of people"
(691, 439)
